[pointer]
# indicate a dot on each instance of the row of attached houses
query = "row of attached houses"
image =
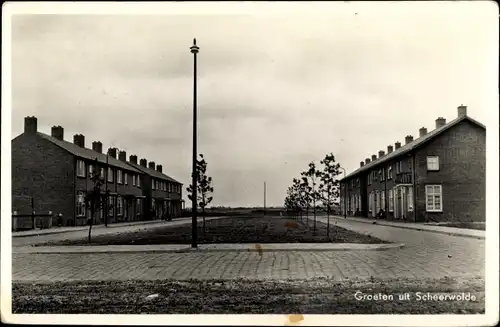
(56, 174)
(439, 176)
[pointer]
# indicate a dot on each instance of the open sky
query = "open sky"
(279, 85)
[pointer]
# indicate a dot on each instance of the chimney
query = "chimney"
(361, 163)
(152, 165)
(97, 146)
(144, 162)
(367, 161)
(408, 139)
(133, 159)
(79, 139)
(58, 132)
(159, 168)
(381, 154)
(389, 149)
(112, 152)
(440, 122)
(122, 156)
(422, 131)
(397, 145)
(374, 157)
(30, 125)
(462, 110)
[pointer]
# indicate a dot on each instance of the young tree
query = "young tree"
(329, 185)
(204, 187)
(310, 178)
(95, 199)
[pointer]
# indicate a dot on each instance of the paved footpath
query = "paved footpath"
(426, 254)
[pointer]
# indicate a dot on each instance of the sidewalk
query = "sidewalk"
(452, 231)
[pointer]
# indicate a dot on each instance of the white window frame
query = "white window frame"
(111, 209)
(391, 200)
(153, 183)
(138, 181)
(91, 169)
(102, 172)
(370, 198)
(119, 176)
(432, 165)
(389, 172)
(110, 175)
(80, 204)
(125, 178)
(433, 191)
(133, 179)
(80, 168)
(382, 200)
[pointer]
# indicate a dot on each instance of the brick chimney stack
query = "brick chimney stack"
(133, 159)
(159, 168)
(112, 152)
(152, 165)
(144, 163)
(422, 131)
(79, 139)
(30, 125)
(462, 110)
(97, 146)
(440, 122)
(58, 132)
(361, 163)
(389, 149)
(374, 157)
(367, 161)
(408, 139)
(397, 145)
(381, 153)
(122, 156)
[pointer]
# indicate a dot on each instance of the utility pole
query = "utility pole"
(345, 194)
(194, 50)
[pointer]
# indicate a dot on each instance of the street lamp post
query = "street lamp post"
(194, 50)
(345, 194)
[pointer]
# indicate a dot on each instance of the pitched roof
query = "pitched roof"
(412, 145)
(88, 153)
(153, 172)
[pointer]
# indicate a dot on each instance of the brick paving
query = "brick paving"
(426, 254)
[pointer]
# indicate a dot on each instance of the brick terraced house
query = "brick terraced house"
(437, 177)
(56, 174)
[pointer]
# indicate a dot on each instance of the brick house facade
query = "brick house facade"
(440, 176)
(56, 174)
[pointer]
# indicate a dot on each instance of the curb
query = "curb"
(256, 248)
(479, 237)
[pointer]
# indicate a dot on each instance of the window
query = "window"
(433, 163)
(389, 172)
(110, 175)
(80, 168)
(125, 178)
(138, 206)
(410, 199)
(91, 170)
(153, 184)
(163, 186)
(369, 179)
(433, 198)
(80, 204)
(102, 173)
(391, 201)
(119, 206)
(382, 200)
(374, 175)
(111, 210)
(119, 176)
(133, 180)
(138, 181)
(382, 172)
(410, 165)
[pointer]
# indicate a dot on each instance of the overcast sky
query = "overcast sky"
(276, 91)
